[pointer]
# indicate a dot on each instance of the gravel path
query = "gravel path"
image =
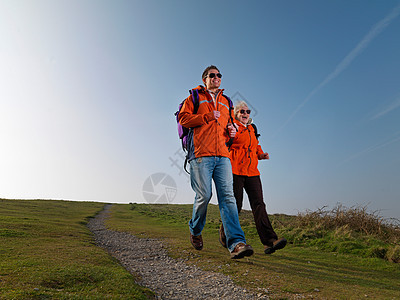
(169, 278)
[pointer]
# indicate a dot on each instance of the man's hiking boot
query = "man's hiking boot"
(241, 250)
(276, 245)
(222, 236)
(197, 241)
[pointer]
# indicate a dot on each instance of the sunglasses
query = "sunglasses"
(212, 75)
(242, 111)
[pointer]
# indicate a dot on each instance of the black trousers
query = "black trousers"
(252, 186)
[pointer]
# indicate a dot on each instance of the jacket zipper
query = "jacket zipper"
(217, 123)
(248, 150)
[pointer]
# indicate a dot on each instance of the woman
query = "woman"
(245, 152)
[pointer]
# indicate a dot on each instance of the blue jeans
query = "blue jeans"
(202, 171)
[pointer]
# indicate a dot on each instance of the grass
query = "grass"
(47, 252)
(307, 267)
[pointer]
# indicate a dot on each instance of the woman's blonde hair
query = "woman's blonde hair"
(239, 105)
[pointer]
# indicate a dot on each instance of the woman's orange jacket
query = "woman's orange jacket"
(209, 135)
(244, 151)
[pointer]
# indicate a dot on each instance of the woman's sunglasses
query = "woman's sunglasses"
(242, 111)
(212, 75)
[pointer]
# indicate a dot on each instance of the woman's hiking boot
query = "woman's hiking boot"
(276, 245)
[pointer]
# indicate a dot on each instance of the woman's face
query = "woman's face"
(243, 115)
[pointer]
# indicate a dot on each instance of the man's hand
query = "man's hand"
(263, 156)
(217, 114)
(232, 130)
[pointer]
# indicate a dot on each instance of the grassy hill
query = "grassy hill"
(46, 251)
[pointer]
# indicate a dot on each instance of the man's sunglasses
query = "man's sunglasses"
(212, 75)
(242, 111)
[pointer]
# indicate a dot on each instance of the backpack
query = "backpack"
(183, 132)
(255, 130)
(186, 134)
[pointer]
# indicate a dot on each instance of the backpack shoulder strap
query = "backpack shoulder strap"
(229, 100)
(230, 141)
(255, 130)
(231, 108)
(195, 99)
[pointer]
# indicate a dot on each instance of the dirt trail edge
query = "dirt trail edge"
(169, 278)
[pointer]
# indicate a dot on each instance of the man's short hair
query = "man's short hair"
(205, 73)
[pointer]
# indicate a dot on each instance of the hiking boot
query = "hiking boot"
(241, 250)
(222, 236)
(276, 245)
(197, 241)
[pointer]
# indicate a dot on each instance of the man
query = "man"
(209, 160)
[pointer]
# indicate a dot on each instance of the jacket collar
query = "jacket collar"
(202, 89)
(240, 124)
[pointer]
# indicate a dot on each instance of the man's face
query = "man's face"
(214, 81)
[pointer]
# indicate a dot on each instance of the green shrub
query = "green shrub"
(393, 254)
(346, 230)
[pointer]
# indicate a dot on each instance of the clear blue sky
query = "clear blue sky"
(88, 90)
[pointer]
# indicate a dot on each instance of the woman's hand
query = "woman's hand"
(263, 156)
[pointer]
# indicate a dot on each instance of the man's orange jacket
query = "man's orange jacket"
(209, 135)
(244, 152)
